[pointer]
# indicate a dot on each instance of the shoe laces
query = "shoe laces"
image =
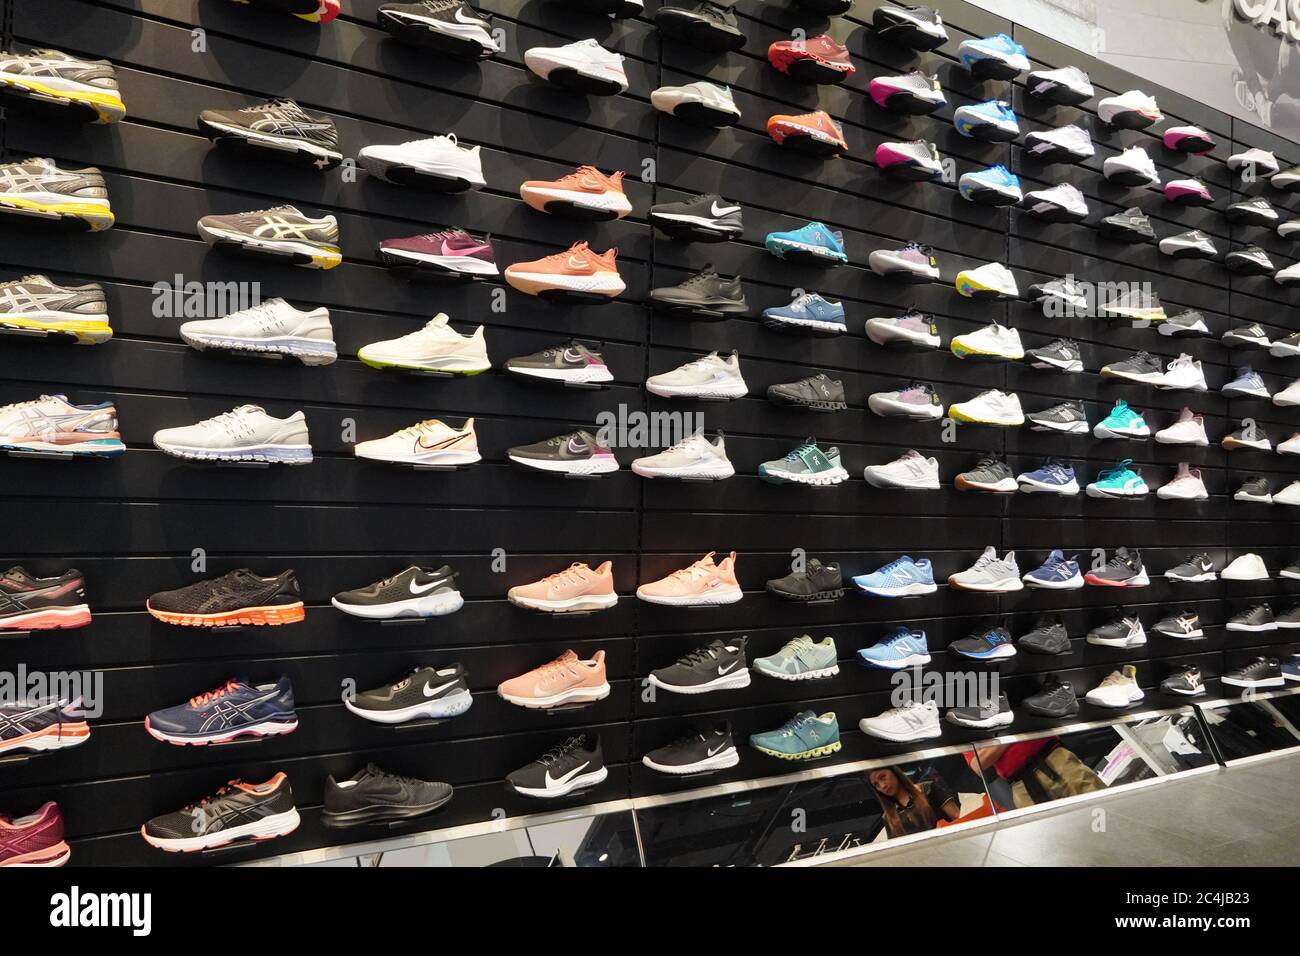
(559, 751)
(574, 573)
(214, 797)
(420, 428)
(797, 453)
(1120, 469)
(699, 655)
(208, 697)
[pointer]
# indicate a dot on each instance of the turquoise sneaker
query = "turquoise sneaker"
(805, 736)
(811, 243)
(806, 465)
(1119, 482)
(1122, 422)
(801, 659)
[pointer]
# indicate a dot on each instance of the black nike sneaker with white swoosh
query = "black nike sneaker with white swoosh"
(576, 764)
(716, 666)
(450, 26)
(707, 218)
(371, 796)
(435, 693)
(705, 748)
(411, 592)
(278, 125)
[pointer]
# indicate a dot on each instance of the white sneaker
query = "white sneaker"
(692, 457)
(911, 471)
(1131, 110)
(1184, 372)
(910, 722)
(1133, 167)
(1289, 395)
(990, 573)
(1188, 244)
(1186, 485)
(584, 66)
(1067, 142)
(710, 376)
(989, 408)
(1061, 202)
(707, 104)
(1119, 689)
(1189, 429)
(1052, 83)
(1290, 495)
(1261, 159)
(992, 280)
(246, 433)
(441, 157)
(1247, 567)
(1287, 276)
(1286, 347)
(431, 442)
(992, 341)
(1291, 446)
(271, 326)
(435, 348)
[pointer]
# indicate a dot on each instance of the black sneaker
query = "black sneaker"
(1131, 226)
(1067, 417)
(708, 26)
(279, 127)
(1197, 568)
(990, 474)
(1291, 571)
(372, 796)
(1254, 488)
(430, 693)
(232, 600)
(1254, 619)
(576, 453)
(1142, 367)
(1124, 631)
(1252, 212)
(412, 592)
(707, 218)
(705, 295)
(1049, 636)
(1290, 618)
(1185, 625)
(576, 764)
(236, 812)
(1055, 699)
(985, 644)
(706, 748)
(28, 601)
(449, 26)
(1185, 681)
(1185, 324)
(1249, 435)
(1250, 261)
(817, 582)
(986, 713)
(1124, 569)
(917, 28)
(573, 362)
(818, 393)
(1249, 336)
(716, 666)
(1060, 354)
(1261, 672)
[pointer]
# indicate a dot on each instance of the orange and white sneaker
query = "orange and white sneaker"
(578, 273)
(566, 679)
(704, 582)
(576, 588)
(815, 133)
(431, 442)
(586, 193)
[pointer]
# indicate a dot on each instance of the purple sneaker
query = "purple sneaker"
(452, 251)
(916, 400)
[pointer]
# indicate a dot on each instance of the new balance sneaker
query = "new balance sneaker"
(704, 295)
(701, 103)
(1132, 167)
(272, 327)
(1065, 144)
(449, 26)
(910, 471)
(575, 764)
(983, 713)
(705, 582)
(917, 28)
(582, 67)
(37, 726)
(53, 425)
(816, 582)
(579, 274)
(413, 592)
(426, 693)
(993, 58)
(914, 262)
(430, 442)
(995, 186)
(1051, 477)
(911, 328)
(574, 453)
(1131, 226)
(1246, 383)
(1122, 481)
(568, 679)
(1125, 630)
(1048, 637)
(1061, 203)
(1252, 212)
(436, 347)
(1055, 699)
(277, 126)
(1142, 367)
(1184, 325)
(237, 812)
(1188, 192)
(36, 305)
(1184, 373)
(29, 602)
(812, 243)
(907, 723)
(1188, 139)
(990, 474)
(815, 134)
(1184, 681)
(1261, 672)
(992, 341)
(916, 93)
(992, 121)
(816, 59)
(990, 573)
(1122, 422)
(985, 644)
(245, 433)
(1117, 690)
(901, 577)
(718, 665)
(236, 709)
(439, 162)
(989, 408)
(1245, 567)
(573, 362)
(801, 658)
(1186, 485)
(1067, 417)
(1254, 620)
(709, 747)
(711, 376)
(1195, 569)
(1189, 245)
(916, 400)
(1249, 435)
(447, 254)
(280, 231)
(706, 218)
(372, 796)
(695, 456)
(805, 465)
(1184, 625)
(990, 281)
(707, 25)
(1057, 573)
(1065, 86)
(38, 188)
(1131, 110)
(901, 647)
(1259, 160)
(586, 194)
(577, 588)
(235, 599)
(915, 161)
(805, 736)
(1255, 488)
(818, 393)
(51, 76)
(807, 312)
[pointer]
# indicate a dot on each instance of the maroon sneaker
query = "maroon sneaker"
(35, 840)
(816, 60)
(452, 251)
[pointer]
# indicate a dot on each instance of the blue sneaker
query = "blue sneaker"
(808, 312)
(993, 58)
(901, 647)
(804, 736)
(1051, 477)
(995, 186)
(1122, 422)
(899, 578)
(1118, 482)
(235, 709)
(1291, 668)
(985, 644)
(1246, 383)
(1058, 573)
(811, 243)
(992, 120)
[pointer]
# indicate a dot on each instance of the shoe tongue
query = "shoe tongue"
(806, 715)
(990, 552)
(568, 656)
(438, 321)
(814, 564)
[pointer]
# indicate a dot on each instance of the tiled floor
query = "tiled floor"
(1244, 816)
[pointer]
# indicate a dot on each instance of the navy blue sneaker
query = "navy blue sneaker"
(1051, 477)
(235, 709)
(1291, 667)
(985, 644)
(1058, 573)
(807, 312)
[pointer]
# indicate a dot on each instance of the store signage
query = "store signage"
(1281, 16)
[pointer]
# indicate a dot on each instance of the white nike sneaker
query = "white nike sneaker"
(710, 376)
(1133, 167)
(435, 348)
(910, 471)
(246, 433)
(584, 67)
(272, 326)
(1186, 485)
(1189, 429)
(431, 442)
(440, 158)
(702, 103)
(692, 457)
(1184, 372)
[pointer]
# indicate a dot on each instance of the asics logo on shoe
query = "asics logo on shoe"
(422, 588)
(565, 778)
(728, 669)
(435, 691)
(717, 210)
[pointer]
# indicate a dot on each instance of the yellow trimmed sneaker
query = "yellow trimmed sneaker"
(37, 187)
(50, 76)
(34, 305)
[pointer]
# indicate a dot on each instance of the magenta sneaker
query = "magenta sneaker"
(452, 251)
(1189, 192)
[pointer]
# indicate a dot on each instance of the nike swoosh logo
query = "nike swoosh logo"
(726, 670)
(565, 778)
(717, 210)
(422, 588)
(435, 691)
(445, 443)
(714, 752)
(578, 265)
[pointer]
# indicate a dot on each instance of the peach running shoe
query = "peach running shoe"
(586, 193)
(578, 273)
(814, 133)
(576, 588)
(704, 582)
(565, 679)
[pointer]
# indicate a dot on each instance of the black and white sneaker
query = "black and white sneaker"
(1055, 699)
(1192, 244)
(1066, 144)
(372, 796)
(716, 666)
(707, 218)
(1250, 261)
(1131, 225)
(990, 474)
(1287, 347)
(1254, 488)
(705, 295)
(1184, 325)
(1060, 354)
(1142, 367)
(412, 592)
(1067, 417)
(1252, 212)
(577, 453)
(1289, 619)
(1185, 681)
(818, 393)
(1066, 86)
(985, 713)
(704, 749)
(1254, 620)
(1059, 295)
(918, 28)
(1124, 631)
(280, 125)
(576, 764)
(573, 362)
(1248, 336)
(816, 582)
(237, 812)
(449, 26)
(1049, 636)
(1261, 672)
(1185, 625)
(707, 25)
(1197, 568)
(431, 693)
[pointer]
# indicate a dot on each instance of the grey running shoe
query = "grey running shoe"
(1125, 630)
(1193, 244)
(1248, 336)
(1136, 305)
(801, 659)
(1250, 260)
(705, 295)
(1184, 324)
(985, 713)
(279, 126)
(989, 474)
(910, 471)
(817, 582)
(573, 362)
(1252, 212)
(577, 453)
(912, 327)
(990, 573)
(694, 457)
(1060, 354)
(819, 393)
(36, 305)
(1254, 488)
(1142, 367)
(51, 76)
(917, 400)
(1131, 225)
(1067, 417)
(1049, 636)
(805, 465)
(279, 231)
(1197, 568)
(38, 187)
(1287, 347)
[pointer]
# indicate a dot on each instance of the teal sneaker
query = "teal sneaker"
(1119, 482)
(805, 736)
(806, 465)
(801, 659)
(1122, 422)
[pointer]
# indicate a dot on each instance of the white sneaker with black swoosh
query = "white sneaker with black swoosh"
(575, 764)
(432, 693)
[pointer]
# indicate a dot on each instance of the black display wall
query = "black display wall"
(132, 525)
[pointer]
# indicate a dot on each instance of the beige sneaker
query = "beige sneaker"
(704, 582)
(576, 588)
(431, 442)
(565, 679)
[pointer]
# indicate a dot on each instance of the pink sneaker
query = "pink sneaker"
(1188, 139)
(704, 582)
(576, 588)
(1189, 192)
(35, 840)
(565, 679)
(452, 251)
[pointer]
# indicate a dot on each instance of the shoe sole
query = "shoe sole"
(817, 674)
(268, 614)
(962, 483)
(601, 465)
(228, 135)
(443, 708)
(460, 267)
(833, 594)
(272, 454)
(587, 602)
(1029, 486)
(572, 204)
(266, 728)
(54, 737)
(706, 599)
(91, 448)
(821, 479)
(108, 107)
(95, 216)
(823, 751)
(714, 473)
(736, 680)
(309, 351)
(435, 177)
(912, 660)
(47, 618)
(900, 738)
(701, 114)
(586, 375)
(420, 33)
(1004, 586)
(719, 761)
(83, 331)
(964, 418)
(431, 605)
(51, 856)
(310, 255)
(580, 782)
(910, 590)
(381, 814)
(585, 288)
(715, 392)
(579, 694)
(448, 369)
(809, 68)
